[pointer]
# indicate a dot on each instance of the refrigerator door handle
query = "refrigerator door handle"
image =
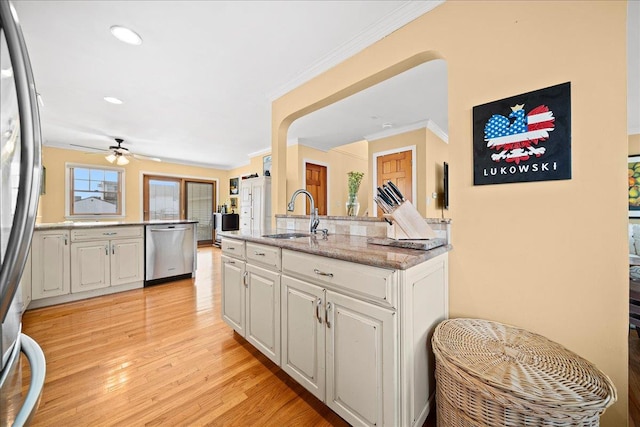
(38, 367)
(30, 160)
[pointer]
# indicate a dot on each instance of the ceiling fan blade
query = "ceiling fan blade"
(90, 148)
(141, 157)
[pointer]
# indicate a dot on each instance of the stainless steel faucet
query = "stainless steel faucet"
(313, 218)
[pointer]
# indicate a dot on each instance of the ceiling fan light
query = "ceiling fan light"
(122, 160)
(126, 35)
(111, 157)
(112, 100)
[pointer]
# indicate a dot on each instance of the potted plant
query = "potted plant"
(354, 181)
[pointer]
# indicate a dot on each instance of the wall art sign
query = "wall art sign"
(634, 186)
(523, 138)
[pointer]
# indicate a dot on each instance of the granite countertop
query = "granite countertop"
(346, 248)
(98, 224)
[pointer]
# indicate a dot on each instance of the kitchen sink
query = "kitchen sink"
(286, 235)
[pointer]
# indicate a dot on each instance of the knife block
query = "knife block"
(408, 224)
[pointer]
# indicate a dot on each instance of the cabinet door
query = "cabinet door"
(233, 293)
(257, 211)
(25, 283)
(245, 193)
(89, 265)
(303, 343)
(263, 311)
(127, 261)
(361, 361)
(50, 264)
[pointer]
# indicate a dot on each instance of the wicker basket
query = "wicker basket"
(490, 374)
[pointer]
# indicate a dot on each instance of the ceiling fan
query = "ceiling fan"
(118, 154)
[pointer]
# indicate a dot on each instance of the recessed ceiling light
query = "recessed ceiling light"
(112, 100)
(126, 35)
(387, 125)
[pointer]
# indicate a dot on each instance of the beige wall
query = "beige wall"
(436, 154)
(550, 257)
(52, 209)
(634, 144)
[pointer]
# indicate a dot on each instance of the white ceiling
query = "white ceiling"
(199, 89)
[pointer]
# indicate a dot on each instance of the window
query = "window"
(94, 191)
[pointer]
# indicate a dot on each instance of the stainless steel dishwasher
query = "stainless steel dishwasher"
(170, 252)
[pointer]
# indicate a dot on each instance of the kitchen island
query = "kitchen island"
(70, 261)
(349, 320)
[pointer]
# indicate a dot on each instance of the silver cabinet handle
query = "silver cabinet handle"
(113, 249)
(318, 304)
(245, 276)
(65, 240)
(230, 262)
(259, 253)
(322, 273)
(106, 249)
(231, 248)
(112, 233)
(326, 315)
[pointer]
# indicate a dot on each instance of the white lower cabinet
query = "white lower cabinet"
(233, 293)
(103, 263)
(50, 255)
(355, 336)
(361, 359)
(340, 349)
(263, 311)
(251, 294)
(69, 265)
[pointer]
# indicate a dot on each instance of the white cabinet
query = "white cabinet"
(233, 284)
(106, 257)
(255, 204)
(263, 310)
(356, 336)
(341, 349)
(251, 294)
(25, 283)
(50, 255)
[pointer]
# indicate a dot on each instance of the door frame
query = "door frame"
(304, 179)
(142, 173)
(374, 174)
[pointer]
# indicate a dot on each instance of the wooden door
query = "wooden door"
(397, 168)
(316, 178)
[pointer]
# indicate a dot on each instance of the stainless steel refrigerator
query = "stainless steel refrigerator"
(20, 172)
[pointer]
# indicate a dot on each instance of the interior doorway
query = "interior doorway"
(396, 167)
(316, 184)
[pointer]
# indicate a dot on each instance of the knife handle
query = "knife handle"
(396, 190)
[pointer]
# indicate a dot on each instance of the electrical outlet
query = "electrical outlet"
(434, 195)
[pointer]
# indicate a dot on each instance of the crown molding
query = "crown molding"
(400, 17)
(397, 130)
(437, 130)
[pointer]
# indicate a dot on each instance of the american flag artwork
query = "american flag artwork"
(523, 138)
(517, 140)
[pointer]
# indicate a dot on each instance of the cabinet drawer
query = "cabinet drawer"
(372, 283)
(80, 235)
(266, 255)
(234, 248)
(245, 211)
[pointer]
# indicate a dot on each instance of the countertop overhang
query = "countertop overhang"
(345, 247)
(98, 224)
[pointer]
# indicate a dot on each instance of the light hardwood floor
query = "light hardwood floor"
(162, 356)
